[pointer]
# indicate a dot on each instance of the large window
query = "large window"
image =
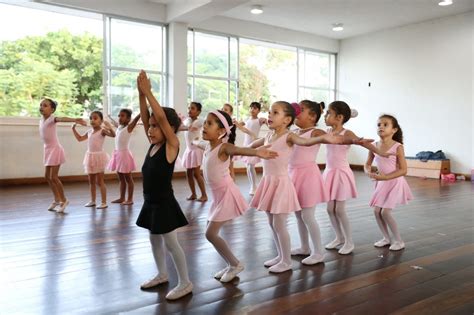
(52, 54)
(212, 69)
(268, 73)
(131, 47)
(49, 51)
(316, 76)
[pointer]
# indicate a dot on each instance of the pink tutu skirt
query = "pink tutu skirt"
(122, 161)
(54, 155)
(340, 183)
(389, 193)
(228, 203)
(276, 194)
(95, 162)
(309, 185)
(192, 157)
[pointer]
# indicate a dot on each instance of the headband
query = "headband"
(225, 123)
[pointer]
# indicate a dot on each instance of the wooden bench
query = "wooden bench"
(428, 169)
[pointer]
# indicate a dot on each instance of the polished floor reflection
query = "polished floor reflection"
(93, 261)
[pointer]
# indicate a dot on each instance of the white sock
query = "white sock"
(179, 260)
(275, 235)
(312, 227)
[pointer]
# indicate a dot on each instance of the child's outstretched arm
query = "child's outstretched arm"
(401, 171)
(79, 121)
(114, 122)
(257, 143)
(351, 138)
(133, 123)
(107, 129)
(262, 151)
(144, 114)
(172, 141)
(245, 130)
(325, 138)
(78, 136)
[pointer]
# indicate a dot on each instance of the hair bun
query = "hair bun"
(297, 108)
(354, 113)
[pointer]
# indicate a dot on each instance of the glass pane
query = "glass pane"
(332, 75)
(234, 63)
(128, 50)
(190, 52)
(211, 53)
(44, 53)
(316, 70)
(212, 94)
(316, 95)
(190, 89)
(267, 73)
(124, 94)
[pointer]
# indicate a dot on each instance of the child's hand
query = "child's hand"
(107, 124)
(262, 121)
(81, 121)
(362, 141)
(333, 139)
(378, 176)
(143, 82)
(263, 153)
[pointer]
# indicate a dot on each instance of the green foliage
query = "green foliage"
(65, 67)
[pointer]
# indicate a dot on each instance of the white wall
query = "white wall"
(422, 74)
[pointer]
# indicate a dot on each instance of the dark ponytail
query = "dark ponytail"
(398, 136)
(231, 125)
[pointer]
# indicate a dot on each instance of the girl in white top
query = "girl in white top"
(122, 159)
(251, 130)
(192, 157)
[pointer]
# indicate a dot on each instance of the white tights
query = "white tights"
(307, 223)
(340, 221)
(385, 220)
(252, 175)
(160, 244)
(280, 236)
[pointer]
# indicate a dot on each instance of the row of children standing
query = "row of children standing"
(96, 160)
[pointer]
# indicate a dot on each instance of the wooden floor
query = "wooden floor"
(93, 261)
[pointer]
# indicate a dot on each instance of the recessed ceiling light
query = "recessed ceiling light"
(444, 3)
(337, 27)
(256, 9)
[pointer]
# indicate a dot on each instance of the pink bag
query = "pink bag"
(448, 177)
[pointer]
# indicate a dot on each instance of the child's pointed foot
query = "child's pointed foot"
(382, 243)
(346, 249)
(127, 202)
(120, 200)
(280, 267)
(313, 259)
(334, 244)
(300, 251)
(192, 197)
(220, 273)
(53, 205)
(90, 204)
(180, 291)
(153, 282)
(103, 205)
(202, 199)
(272, 261)
(232, 272)
(397, 246)
(62, 206)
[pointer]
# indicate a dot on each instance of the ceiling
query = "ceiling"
(359, 16)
